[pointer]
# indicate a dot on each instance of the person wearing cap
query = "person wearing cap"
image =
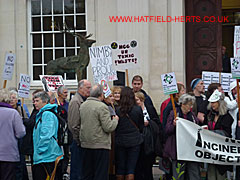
(232, 105)
(198, 91)
(219, 119)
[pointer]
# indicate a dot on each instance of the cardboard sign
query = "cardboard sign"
(194, 143)
(169, 83)
(101, 61)
(235, 68)
(236, 44)
(51, 82)
(8, 66)
(106, 89)
(125, 54)
(24, 86)
(215, 77)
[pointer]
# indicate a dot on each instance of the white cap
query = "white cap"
(216, 95)
(233, 85)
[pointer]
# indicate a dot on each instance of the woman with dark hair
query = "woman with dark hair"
(128, 136)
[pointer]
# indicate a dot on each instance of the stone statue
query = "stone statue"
(77, 63)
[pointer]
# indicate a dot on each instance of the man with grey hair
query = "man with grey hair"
(95, 135)
(74, 122)
(46, 148)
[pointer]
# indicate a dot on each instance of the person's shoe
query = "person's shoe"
(66, 177)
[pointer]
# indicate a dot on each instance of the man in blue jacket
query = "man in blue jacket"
(46, 148)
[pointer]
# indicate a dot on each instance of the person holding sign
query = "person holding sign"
(191, 169)
(220, 121)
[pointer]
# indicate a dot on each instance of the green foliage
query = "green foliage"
(178, 170)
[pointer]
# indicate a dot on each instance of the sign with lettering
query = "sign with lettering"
(224, 79)
(101, 61)
(106, 89)
(24, 86)
(169, 83)
(235, 68)
(125, 54)
(8, 66)
(194, 143)
(51, 82)
(236, 44)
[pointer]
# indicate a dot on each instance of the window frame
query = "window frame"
(30, 40)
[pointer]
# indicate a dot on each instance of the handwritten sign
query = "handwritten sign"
(8, 67)
(51, 82)
(24, 86)
(169, 83)
(125, 54)
(224, 79)
(106, 89)
(101, 61)
(236, 44)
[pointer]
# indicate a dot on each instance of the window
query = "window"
(47, 41)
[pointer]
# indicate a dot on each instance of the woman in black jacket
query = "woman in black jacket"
(128, 136)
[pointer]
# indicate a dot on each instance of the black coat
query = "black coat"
(126, 134)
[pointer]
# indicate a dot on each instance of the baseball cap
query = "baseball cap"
(216, 95)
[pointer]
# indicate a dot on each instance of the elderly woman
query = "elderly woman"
(220, 121)
(11, 128)
(146, 160)
(192, 170)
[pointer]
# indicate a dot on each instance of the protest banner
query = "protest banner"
(24, 86)
(106, 89)
(236, 44)
(224, 79)
(169, 84)
(8, 67)
(125, 55)
(101, 61)
(51, 82)
(194, 143)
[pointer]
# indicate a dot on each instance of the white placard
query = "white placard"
(197, 144)
(215, 77)
(101, 61)
(8, 66)
(125, 54)
(24, 86)
(106, 89)
(169, 83)
(235, 68)
(51, 82)
(236, 44)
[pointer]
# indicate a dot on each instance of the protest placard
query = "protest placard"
(51, 82)
(169, 83)
(8, 66)
(101, 61)
(125, 54)
(216, 77)
(194, 143)
(24, 86)
(106, 89)
(235, 68)
(236, 44)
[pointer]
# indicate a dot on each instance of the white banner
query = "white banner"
(51, 82)
(236, 44)
(125, 54)
(8, 66)
(101, 61)
(24, 86)
(197, 144)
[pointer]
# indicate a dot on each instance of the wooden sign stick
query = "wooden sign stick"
(4, 84)
(127, 77)
(22, 102)
(238, 97)
(56, 96)
(173, 105)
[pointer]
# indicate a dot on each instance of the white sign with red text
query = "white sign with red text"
(101, 61)
(236, 44)
(106, 89)
(125, 54)
(51, 82)
(24, 86)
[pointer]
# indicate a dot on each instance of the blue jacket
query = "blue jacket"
(46, 148)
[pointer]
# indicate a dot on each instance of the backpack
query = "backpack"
(62, 132)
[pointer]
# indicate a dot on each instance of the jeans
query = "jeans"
(126, 159)
(76, 161)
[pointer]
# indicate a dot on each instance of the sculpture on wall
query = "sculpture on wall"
(77, 63)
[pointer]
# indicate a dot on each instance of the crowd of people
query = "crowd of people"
(114, 137)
